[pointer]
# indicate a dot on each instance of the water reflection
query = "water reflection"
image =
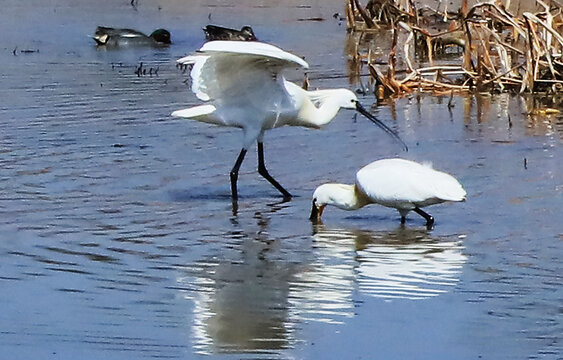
(487, 113)
(499, 115)
(407, 264)
(252, 295)
(401, 264)
(241, 297)
(242, 307)
(363, 48)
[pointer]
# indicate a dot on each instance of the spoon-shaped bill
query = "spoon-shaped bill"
(316, 212)
(377, 122)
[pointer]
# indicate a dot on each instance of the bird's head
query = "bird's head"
(345, 98)
(248, 33)
(339, 195)
(320, 200)
(161, 36)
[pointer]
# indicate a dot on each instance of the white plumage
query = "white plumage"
(243, 85)
(396, 183)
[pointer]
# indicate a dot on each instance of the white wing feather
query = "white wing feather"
(194, 112)
(249, 48)
(131, 35)
(226, 69)
(404, 181)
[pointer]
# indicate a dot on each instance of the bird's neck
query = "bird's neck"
(315, 107)
(347, 197)
(325, 111)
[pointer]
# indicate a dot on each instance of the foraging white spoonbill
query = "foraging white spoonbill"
(396, 183)
(243, 85)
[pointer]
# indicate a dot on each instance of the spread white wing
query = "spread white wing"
(224, 71)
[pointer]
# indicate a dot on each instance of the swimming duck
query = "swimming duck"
(214, 32)
(128, 37)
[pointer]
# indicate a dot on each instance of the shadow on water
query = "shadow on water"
(222, 194)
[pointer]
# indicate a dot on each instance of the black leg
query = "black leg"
(262, 171)
(428, 217)
(403, 219)
(234, 175)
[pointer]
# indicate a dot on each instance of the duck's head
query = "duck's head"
(101, 35)
(248, 33)
(161, 36)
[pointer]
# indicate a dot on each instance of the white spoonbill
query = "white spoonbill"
(396, 183)
(243, 86)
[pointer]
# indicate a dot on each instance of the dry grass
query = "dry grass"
(495, 51)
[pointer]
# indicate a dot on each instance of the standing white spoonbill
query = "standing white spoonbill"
(396, 183)
(243, 86)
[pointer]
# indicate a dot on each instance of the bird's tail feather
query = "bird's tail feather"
(450, 189)
(188, 60)
(194, 112)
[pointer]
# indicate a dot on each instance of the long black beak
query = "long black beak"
(377, 122)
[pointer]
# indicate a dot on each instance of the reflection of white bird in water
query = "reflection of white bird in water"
(243, 85)
(403, 263)
(401, 184)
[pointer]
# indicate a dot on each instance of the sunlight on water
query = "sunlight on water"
(404, 263)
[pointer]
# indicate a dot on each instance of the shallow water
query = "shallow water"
(118, 237)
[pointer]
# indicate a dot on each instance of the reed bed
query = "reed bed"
(479, 49)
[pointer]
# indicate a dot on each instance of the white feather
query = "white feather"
(194, 112)
(407, 183)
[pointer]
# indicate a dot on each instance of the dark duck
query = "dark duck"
(114, 37)
(214, 32)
